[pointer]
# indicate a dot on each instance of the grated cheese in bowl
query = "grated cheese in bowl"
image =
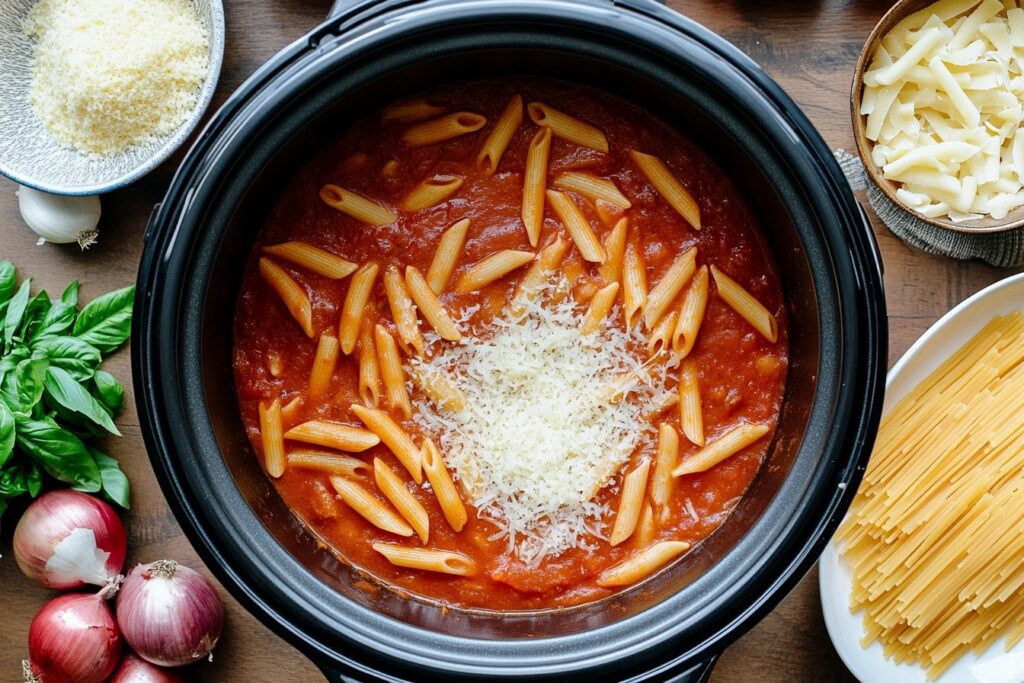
(109, 75)
(539, 438)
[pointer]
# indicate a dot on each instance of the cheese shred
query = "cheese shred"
(111, 74)
(551, 417)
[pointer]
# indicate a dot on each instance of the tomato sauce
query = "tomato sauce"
(742, 375)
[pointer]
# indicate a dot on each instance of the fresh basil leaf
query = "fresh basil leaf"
(106, 321)
(6, 433)
(33, 478)
(61, 316)
(70, 294)
(65, 390)
(8, 280)
(15, 311)
(115, 484)
(79, 358)
(12, 481)
(37, 308)
(59, 452)
(109, 391)
(23, 388)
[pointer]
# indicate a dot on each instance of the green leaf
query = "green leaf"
(106, 322)
(65, 390)
(23, 388)
(115, 484)
(61, 316)
(8, 280)
(15, 311)
(33, 478)
(6, 433)
(59, 452)
(12, 481)
(37, 308)
(109, 391)
(79, 358)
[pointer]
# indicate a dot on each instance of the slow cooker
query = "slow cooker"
(366, 54)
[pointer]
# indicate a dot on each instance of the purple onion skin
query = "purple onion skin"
(170, 615)
(73, 639)
(135, 669)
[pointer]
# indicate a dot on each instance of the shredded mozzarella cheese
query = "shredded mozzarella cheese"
(551, 417)
(111, 74)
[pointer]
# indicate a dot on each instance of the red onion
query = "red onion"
(135, 669)
(67, 539)
(170, 615)
(73, 639)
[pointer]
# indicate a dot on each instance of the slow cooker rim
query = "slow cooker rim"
(166, 475)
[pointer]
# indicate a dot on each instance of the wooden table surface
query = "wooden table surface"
(809, 46)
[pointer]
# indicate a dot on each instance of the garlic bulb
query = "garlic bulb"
(58, 218)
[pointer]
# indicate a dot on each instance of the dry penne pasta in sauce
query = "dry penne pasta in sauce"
(513, 419)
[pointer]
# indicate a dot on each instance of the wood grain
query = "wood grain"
(809, 46)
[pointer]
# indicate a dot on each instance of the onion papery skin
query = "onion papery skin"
(74, 639)
(50, 519)
(135, 669)
(169, 614)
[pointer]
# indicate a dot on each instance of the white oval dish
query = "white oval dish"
(845, 628)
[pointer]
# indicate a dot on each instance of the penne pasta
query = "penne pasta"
(389, 169)
(645, 527)
(600, 306)
(615, 249)
(670, 401)
(441, 561)
(449, 248)
(271, 438)
(439, 389)
(320, 261)
(292, 294)
(402, 310)
(333, 435)
(394, 437)
(691, 418)
(432, 192)
(275, 364)
(535, 182)
(444, 128)
(494, 267)
(357, 206)
(391, 372)
(634, 286)
(369, 507)
(369, 370)
(576, 223)
(359, 289)
(497, 142)
(633, 486)
(691, 314)
(443, 487)
(665, 461)
(668, 288)
(643, 564)
(430, 306)
(749, 308)
(660, 338)
(567, 127)
(546, 262)
(592, 187)
(609, 214)
(411, 110)
(668, 186)
(323, 365)
(404, 501)
(330, 463)
(729, 444)
(289, 411)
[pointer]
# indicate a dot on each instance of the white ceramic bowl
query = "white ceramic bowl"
(30, 156)
(869, 665)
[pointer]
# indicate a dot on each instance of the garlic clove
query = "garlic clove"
(60, 219)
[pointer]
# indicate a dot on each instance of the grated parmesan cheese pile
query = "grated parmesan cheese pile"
(541, 435)
(112, 74)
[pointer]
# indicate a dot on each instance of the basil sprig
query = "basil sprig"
(54, 398)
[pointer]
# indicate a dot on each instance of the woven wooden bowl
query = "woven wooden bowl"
(897, 13)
